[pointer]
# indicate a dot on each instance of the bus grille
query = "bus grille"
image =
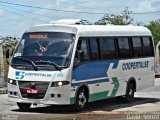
(41, 86)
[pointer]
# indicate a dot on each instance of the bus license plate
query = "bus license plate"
(32, 91)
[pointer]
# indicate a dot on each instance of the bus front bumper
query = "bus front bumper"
(50, 101)
(53, 96)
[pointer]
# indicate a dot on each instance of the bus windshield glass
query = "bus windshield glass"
(44, 48)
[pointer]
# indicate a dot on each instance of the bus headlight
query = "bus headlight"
(11, 81)
(59, 83)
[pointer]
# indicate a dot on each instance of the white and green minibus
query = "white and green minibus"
(72, 64)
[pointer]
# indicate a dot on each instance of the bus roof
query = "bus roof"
(94, 30)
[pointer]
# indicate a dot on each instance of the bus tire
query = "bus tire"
(23, 107)
(81, 99)
(129, 97)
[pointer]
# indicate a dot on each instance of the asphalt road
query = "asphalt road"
(146, 106)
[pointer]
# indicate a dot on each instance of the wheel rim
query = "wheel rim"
(130, 92)
(82, 99)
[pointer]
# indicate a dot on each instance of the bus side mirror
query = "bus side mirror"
(12, 52)
(7, 53)
(78, 58)
(81, 55)
(76, 62)
(7, 56)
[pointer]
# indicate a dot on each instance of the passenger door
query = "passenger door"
(92, 71)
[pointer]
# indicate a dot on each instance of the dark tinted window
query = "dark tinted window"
(108, 48)
(124, 49)
(83, 48)
(94, 48)
(45, 46)
(137, 47)
(147, 47)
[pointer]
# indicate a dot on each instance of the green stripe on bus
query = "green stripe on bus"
(98, 96)
(93, 97)
(116, 86)
(72, 100)
(102, 95)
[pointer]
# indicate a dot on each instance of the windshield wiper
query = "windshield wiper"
(50, 63)
(29, 61)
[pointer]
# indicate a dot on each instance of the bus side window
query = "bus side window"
(124, 48)
(93, 42)
(137, 47)
(108, 49)
(147, 47)
(82, 49)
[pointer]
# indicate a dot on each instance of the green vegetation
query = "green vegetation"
(5, 47)
(154, 27)
(124, 19)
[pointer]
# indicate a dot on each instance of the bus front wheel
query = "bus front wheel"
(24, 106)
(81, 99)
(129, 97)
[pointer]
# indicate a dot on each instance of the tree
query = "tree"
(154, 27)
(124, 19)
(10, 43)
(85, 22)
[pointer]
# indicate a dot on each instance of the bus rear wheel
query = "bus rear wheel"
(129, 97)
(24, 106)
(81, 99)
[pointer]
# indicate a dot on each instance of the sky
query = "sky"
(14, 20)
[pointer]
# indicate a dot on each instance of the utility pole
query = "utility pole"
(2, 82)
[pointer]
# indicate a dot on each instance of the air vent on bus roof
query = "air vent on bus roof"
(66, 21)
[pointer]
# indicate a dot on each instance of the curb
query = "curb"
(3, 90)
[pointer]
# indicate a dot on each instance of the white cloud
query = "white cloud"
(148, 6)
(1, 12)
(156, 5)
(17, 24)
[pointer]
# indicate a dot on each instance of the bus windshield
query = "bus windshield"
(44, 48)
